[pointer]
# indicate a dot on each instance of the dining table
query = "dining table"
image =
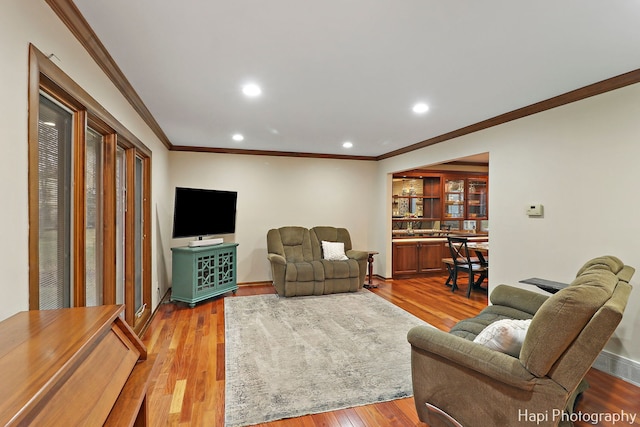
(479, 247)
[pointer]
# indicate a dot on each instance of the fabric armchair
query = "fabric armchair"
(458, 378)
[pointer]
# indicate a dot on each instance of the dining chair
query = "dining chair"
(462, 261)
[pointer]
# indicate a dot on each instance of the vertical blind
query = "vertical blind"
(54, 188)
(93, 229)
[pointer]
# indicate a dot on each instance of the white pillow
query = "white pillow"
(333, 251)
(505, 336)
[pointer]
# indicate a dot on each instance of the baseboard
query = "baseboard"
(261, 283)
(163, 300)
(618, 366)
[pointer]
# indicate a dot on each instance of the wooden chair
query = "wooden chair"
(462, 261)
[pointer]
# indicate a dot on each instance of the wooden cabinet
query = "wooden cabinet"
(203, 272)
(411, 258)
(428, 203)
(478, 195)
(73, 366)
(416, 203)
(466, 203)
(430, 206)
(454, 198)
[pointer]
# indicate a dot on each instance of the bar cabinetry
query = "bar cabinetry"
(416, 257)
(426, 208)
(465, 204)
(429, 204)
(416, 203)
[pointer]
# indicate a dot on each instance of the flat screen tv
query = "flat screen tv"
(199, 212)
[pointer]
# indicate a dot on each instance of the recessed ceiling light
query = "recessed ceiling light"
(49, 124)
(347, 144)
(251, 90)
(237, 137)
(420, 108)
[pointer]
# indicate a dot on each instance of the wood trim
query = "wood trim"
(269, 153)
(146, 246)
(129, 227)
(79, 27)
(110, 144)
(594, 89)
(54, 74)
(79, 209)
(34, 220)
(437, 173)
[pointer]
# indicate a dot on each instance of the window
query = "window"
(138, 237)
(121, 191)
(54, 204)
(89, 201)
(93, 219)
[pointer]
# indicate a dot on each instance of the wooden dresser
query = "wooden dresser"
(74, 366)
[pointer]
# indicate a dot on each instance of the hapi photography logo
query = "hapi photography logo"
(594, 418)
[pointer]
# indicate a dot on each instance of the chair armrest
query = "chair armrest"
(476, 357)
(277, 259)
(357, 255)
(518, 298)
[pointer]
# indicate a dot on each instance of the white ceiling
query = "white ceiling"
(338, 70)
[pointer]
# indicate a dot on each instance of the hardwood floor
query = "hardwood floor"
(189, 342)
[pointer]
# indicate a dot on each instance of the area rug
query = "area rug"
(288, 357)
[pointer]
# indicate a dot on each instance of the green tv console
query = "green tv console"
(203, 272)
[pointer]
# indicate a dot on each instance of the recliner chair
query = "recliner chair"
(456, 380)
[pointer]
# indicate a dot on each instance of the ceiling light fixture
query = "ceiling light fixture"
(237, 137)
(252, 90)
(420, 108)
(347, 144)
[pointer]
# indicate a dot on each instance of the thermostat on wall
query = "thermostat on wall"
(534, 210)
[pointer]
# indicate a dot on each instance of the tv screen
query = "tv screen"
(199, 212)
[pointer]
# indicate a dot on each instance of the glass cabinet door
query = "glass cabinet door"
(407, 197)
(454, 198)
(477, 198)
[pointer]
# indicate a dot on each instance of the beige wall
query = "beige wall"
(275, 192)
(581, 162)
(23, 22)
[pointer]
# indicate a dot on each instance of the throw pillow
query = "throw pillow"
(333, 251)
(505, 336)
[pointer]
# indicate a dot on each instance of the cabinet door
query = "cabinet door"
(454, 198)
(205, 274)
(430, 257)
(477, 198)
(405, 258)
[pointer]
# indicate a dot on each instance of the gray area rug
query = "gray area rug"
(288, 357)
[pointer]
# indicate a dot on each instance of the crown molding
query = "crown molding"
(73, 19)
(269, 153)
(594, 89)
(69, 14)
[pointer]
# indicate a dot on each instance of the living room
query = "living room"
(578, 160)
